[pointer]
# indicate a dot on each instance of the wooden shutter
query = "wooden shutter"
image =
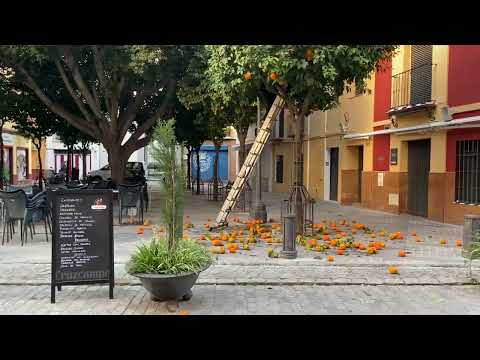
(421, 74)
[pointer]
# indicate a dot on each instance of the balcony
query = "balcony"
(412, 90)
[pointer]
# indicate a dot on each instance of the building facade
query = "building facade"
(20, 157)
(409, 143)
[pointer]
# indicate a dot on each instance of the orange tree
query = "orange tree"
(196, 94)
(307, 77)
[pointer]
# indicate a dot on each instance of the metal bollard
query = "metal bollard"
(289, 234)
(471, 227)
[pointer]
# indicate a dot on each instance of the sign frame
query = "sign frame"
(53, 204)
(394, 156)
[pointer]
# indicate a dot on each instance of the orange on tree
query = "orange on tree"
(273, 75)
(248, 75)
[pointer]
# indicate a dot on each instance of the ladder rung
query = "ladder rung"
(251, 159)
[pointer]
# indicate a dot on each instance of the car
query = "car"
(133, 169)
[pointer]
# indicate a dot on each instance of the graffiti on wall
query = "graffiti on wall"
(207, 157)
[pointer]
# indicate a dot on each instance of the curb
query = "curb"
(276, 283)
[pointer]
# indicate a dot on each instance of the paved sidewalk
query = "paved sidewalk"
(247, 300)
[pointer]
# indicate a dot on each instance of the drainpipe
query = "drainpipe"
(325, 154)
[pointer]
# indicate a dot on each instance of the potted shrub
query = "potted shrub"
(169, 266)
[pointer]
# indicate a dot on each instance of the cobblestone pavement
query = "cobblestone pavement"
(247, 300)
(320, 274)
(249, 282)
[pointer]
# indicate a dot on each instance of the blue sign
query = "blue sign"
(207, 157)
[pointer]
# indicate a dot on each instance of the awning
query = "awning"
(427, 127)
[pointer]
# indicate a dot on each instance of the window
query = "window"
(281, 124)
(279, 169)
(467, 177)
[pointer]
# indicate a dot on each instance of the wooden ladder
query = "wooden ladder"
(250, 161)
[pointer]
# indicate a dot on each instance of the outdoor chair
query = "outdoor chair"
(221, 191)
(131, 197)
(139, 180)
(15, 207)
(37, 210)
(99, 184)
(76, 186)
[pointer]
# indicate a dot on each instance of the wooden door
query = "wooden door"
(334, 174)
(418, 173)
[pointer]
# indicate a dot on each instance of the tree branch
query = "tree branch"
(82, 86)
(154, 118)
(72, 91)
(58, 109)
(127, 117)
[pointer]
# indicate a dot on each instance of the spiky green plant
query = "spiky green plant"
(155, 258)
(165, 155)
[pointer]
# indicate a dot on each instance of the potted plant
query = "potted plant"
(169, 266)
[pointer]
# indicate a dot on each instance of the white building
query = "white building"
(56, 156)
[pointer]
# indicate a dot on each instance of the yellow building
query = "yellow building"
(410, 143)
(20, 157)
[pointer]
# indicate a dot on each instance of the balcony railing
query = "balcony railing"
(412, 87)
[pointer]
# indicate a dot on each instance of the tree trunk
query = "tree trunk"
(298, 182)
(241, 151)
(117, 160)
(1, 157)
(198, 169)
(189, 175)
(215, 170)
(40, 170)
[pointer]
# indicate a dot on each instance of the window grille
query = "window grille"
(467, 176)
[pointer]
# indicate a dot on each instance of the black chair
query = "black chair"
(76, 186)
(211, 192)
(99, 184)
(131, 197)
(140, 180)
(37, 210)
(15, 207)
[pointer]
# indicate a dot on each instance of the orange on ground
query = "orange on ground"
(402, 253)
(458, 243)
(392, 270)
(330, 258)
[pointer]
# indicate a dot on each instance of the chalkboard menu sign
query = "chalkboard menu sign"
(82, 245)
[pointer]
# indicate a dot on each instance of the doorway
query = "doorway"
(334, 174)
(418, 172)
